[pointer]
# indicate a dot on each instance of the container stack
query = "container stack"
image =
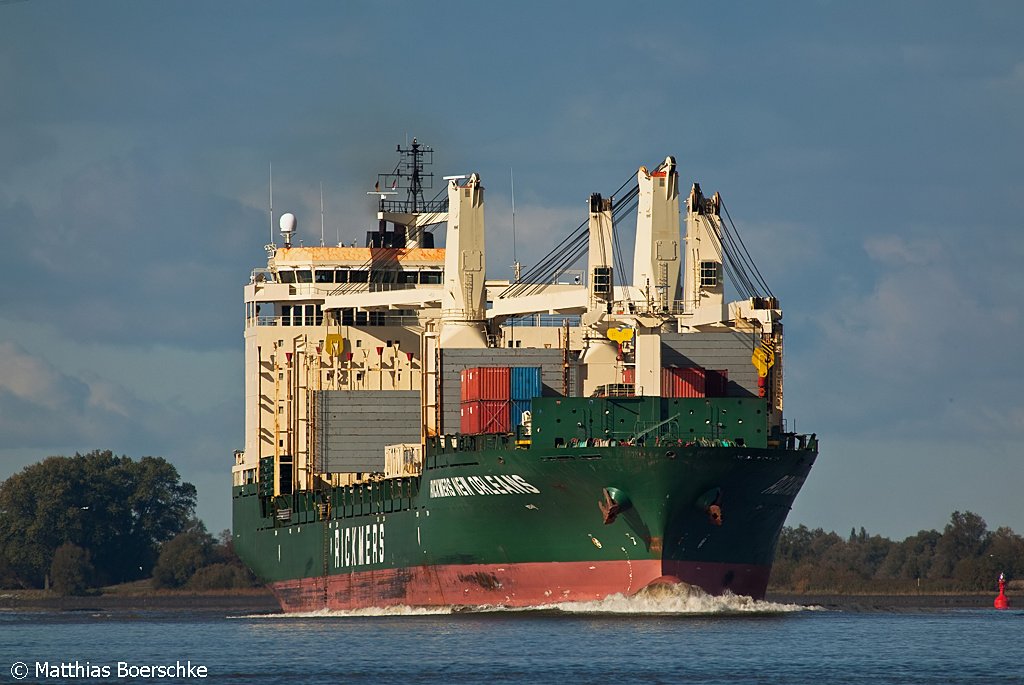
(687, 381)
(485, 400)
(525, 385)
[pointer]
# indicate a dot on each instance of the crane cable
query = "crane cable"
(559, 260)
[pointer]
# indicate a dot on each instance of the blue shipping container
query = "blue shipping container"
(525, 382)
(516, 409)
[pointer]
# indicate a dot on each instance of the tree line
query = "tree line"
(76, 523)
(87, 521)
(965, 556)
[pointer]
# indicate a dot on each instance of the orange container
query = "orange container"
(486, 383)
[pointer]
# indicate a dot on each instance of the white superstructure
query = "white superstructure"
(377, 319)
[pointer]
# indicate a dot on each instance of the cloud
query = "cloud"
(131, 253)
(32, 381)
(894, 250)
(919, 343)
(45, 410)
(539, 229)
(783, 251)
(23, 151)
(1012, 79)
(40, 405)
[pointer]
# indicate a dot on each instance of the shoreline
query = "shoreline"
(255, 601)
(885, 602)
(262, 601)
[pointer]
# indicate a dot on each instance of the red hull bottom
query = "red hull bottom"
(512, 585)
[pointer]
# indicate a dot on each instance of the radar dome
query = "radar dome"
(288, 223)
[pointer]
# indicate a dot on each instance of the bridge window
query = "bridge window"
(431, 277)
(301, 315)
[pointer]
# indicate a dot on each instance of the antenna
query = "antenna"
(515, 258)
(409, 175)
(321, 213)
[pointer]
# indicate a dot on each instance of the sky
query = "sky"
(869, 153)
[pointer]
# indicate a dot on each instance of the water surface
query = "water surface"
(667, 639)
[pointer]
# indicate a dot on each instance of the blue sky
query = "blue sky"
(869, 152)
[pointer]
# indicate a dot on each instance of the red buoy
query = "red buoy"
(1002, 602)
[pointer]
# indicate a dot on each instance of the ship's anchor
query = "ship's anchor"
(614, 503)
(711, 503)
(715, 514)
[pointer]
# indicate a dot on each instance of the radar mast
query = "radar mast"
(411, 215)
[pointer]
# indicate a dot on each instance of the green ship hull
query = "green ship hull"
(494, 521)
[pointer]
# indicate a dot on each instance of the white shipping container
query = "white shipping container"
(403, 460)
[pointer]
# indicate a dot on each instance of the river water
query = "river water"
(668, 639)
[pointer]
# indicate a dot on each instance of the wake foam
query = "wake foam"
(662, 600)
(368, 612)
(681, 599)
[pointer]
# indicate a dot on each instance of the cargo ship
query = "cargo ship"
(418, 434)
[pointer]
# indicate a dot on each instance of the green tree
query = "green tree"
(116, 508)
(911, 559)
(806, 560)
(183, 555)
(1006, 552)
(226, 572)
(963, 540)
(194, 560)
(71, 571)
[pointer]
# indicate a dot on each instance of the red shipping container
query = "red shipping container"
(683, 381)
(485, 416)
(486, 383)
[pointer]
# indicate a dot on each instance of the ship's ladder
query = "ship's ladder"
(639, 434)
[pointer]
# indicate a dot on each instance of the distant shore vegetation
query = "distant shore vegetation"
(965, 556)
(74, 524)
